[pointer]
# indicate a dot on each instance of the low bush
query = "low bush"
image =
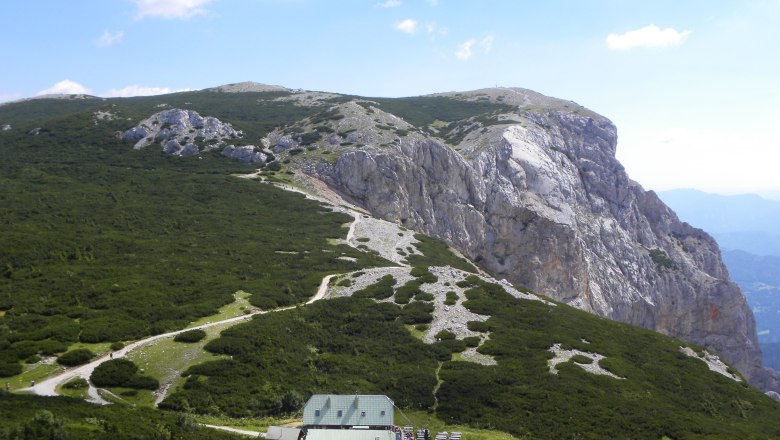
(419, 271)
(445, 335)
(77, 383)
(424, 296)
(75, 357)
(382, 289)
(122, 373)
(8, 369)
(405, 293)
(478, 326)
(472, 341)
(451, 299)
(344, 282)
(417, 312)
(50, 346)
(581, 359)
(437, 253)
(190, 336)
(453, 345)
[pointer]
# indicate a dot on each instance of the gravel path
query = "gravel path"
(49, 386)
(235, 430)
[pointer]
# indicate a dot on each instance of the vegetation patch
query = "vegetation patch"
(95, 245)
(437, 253)
(77, 383)
(122, 373)
(67, 418)
(662, 394)
(405, 293)
(382, 289)
(451, 299)
(332, 346)
(190, 336)
(344, 282)
(75, 357)
(662, 260)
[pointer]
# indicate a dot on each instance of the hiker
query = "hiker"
(32, 383)
(8, 387)
(111, 355)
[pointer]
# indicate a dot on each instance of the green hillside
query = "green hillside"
(351, 345)
(102, 243)
(28, 417)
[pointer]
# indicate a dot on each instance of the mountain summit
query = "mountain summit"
(528, 187)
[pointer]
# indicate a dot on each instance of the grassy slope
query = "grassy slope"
(62, 417)
(328, 347)
(104, 243)
(664, 393)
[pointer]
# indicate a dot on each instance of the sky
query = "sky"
(693, 86)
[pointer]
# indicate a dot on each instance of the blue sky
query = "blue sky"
(693, 86)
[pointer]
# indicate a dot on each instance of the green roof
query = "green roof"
(348, 410)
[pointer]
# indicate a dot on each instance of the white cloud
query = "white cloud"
(136, 90)
(432, 2)
(65, 87)
(109, 39)
(170, 9)
(434, 28)
(464, 51)
(648, 36)
(389, 4)
(487, 43)
(409, 26)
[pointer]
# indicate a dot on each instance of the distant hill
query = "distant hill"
(745, 222)
(759, 278)
(747, 228)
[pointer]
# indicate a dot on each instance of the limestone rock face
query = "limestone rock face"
(246, 153)
(543, 202)
(180, 131)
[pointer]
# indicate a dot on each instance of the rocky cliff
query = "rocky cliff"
(534, 194)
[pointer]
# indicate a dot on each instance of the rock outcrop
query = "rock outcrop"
(187, 133)
(542, 201)
(246, 153)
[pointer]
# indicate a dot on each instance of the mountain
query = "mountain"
(746, 227)
(745, 222)
(134, 217)
(759, 278)
(528, 187)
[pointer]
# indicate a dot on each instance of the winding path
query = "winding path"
(235, 430)
(48, 387)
